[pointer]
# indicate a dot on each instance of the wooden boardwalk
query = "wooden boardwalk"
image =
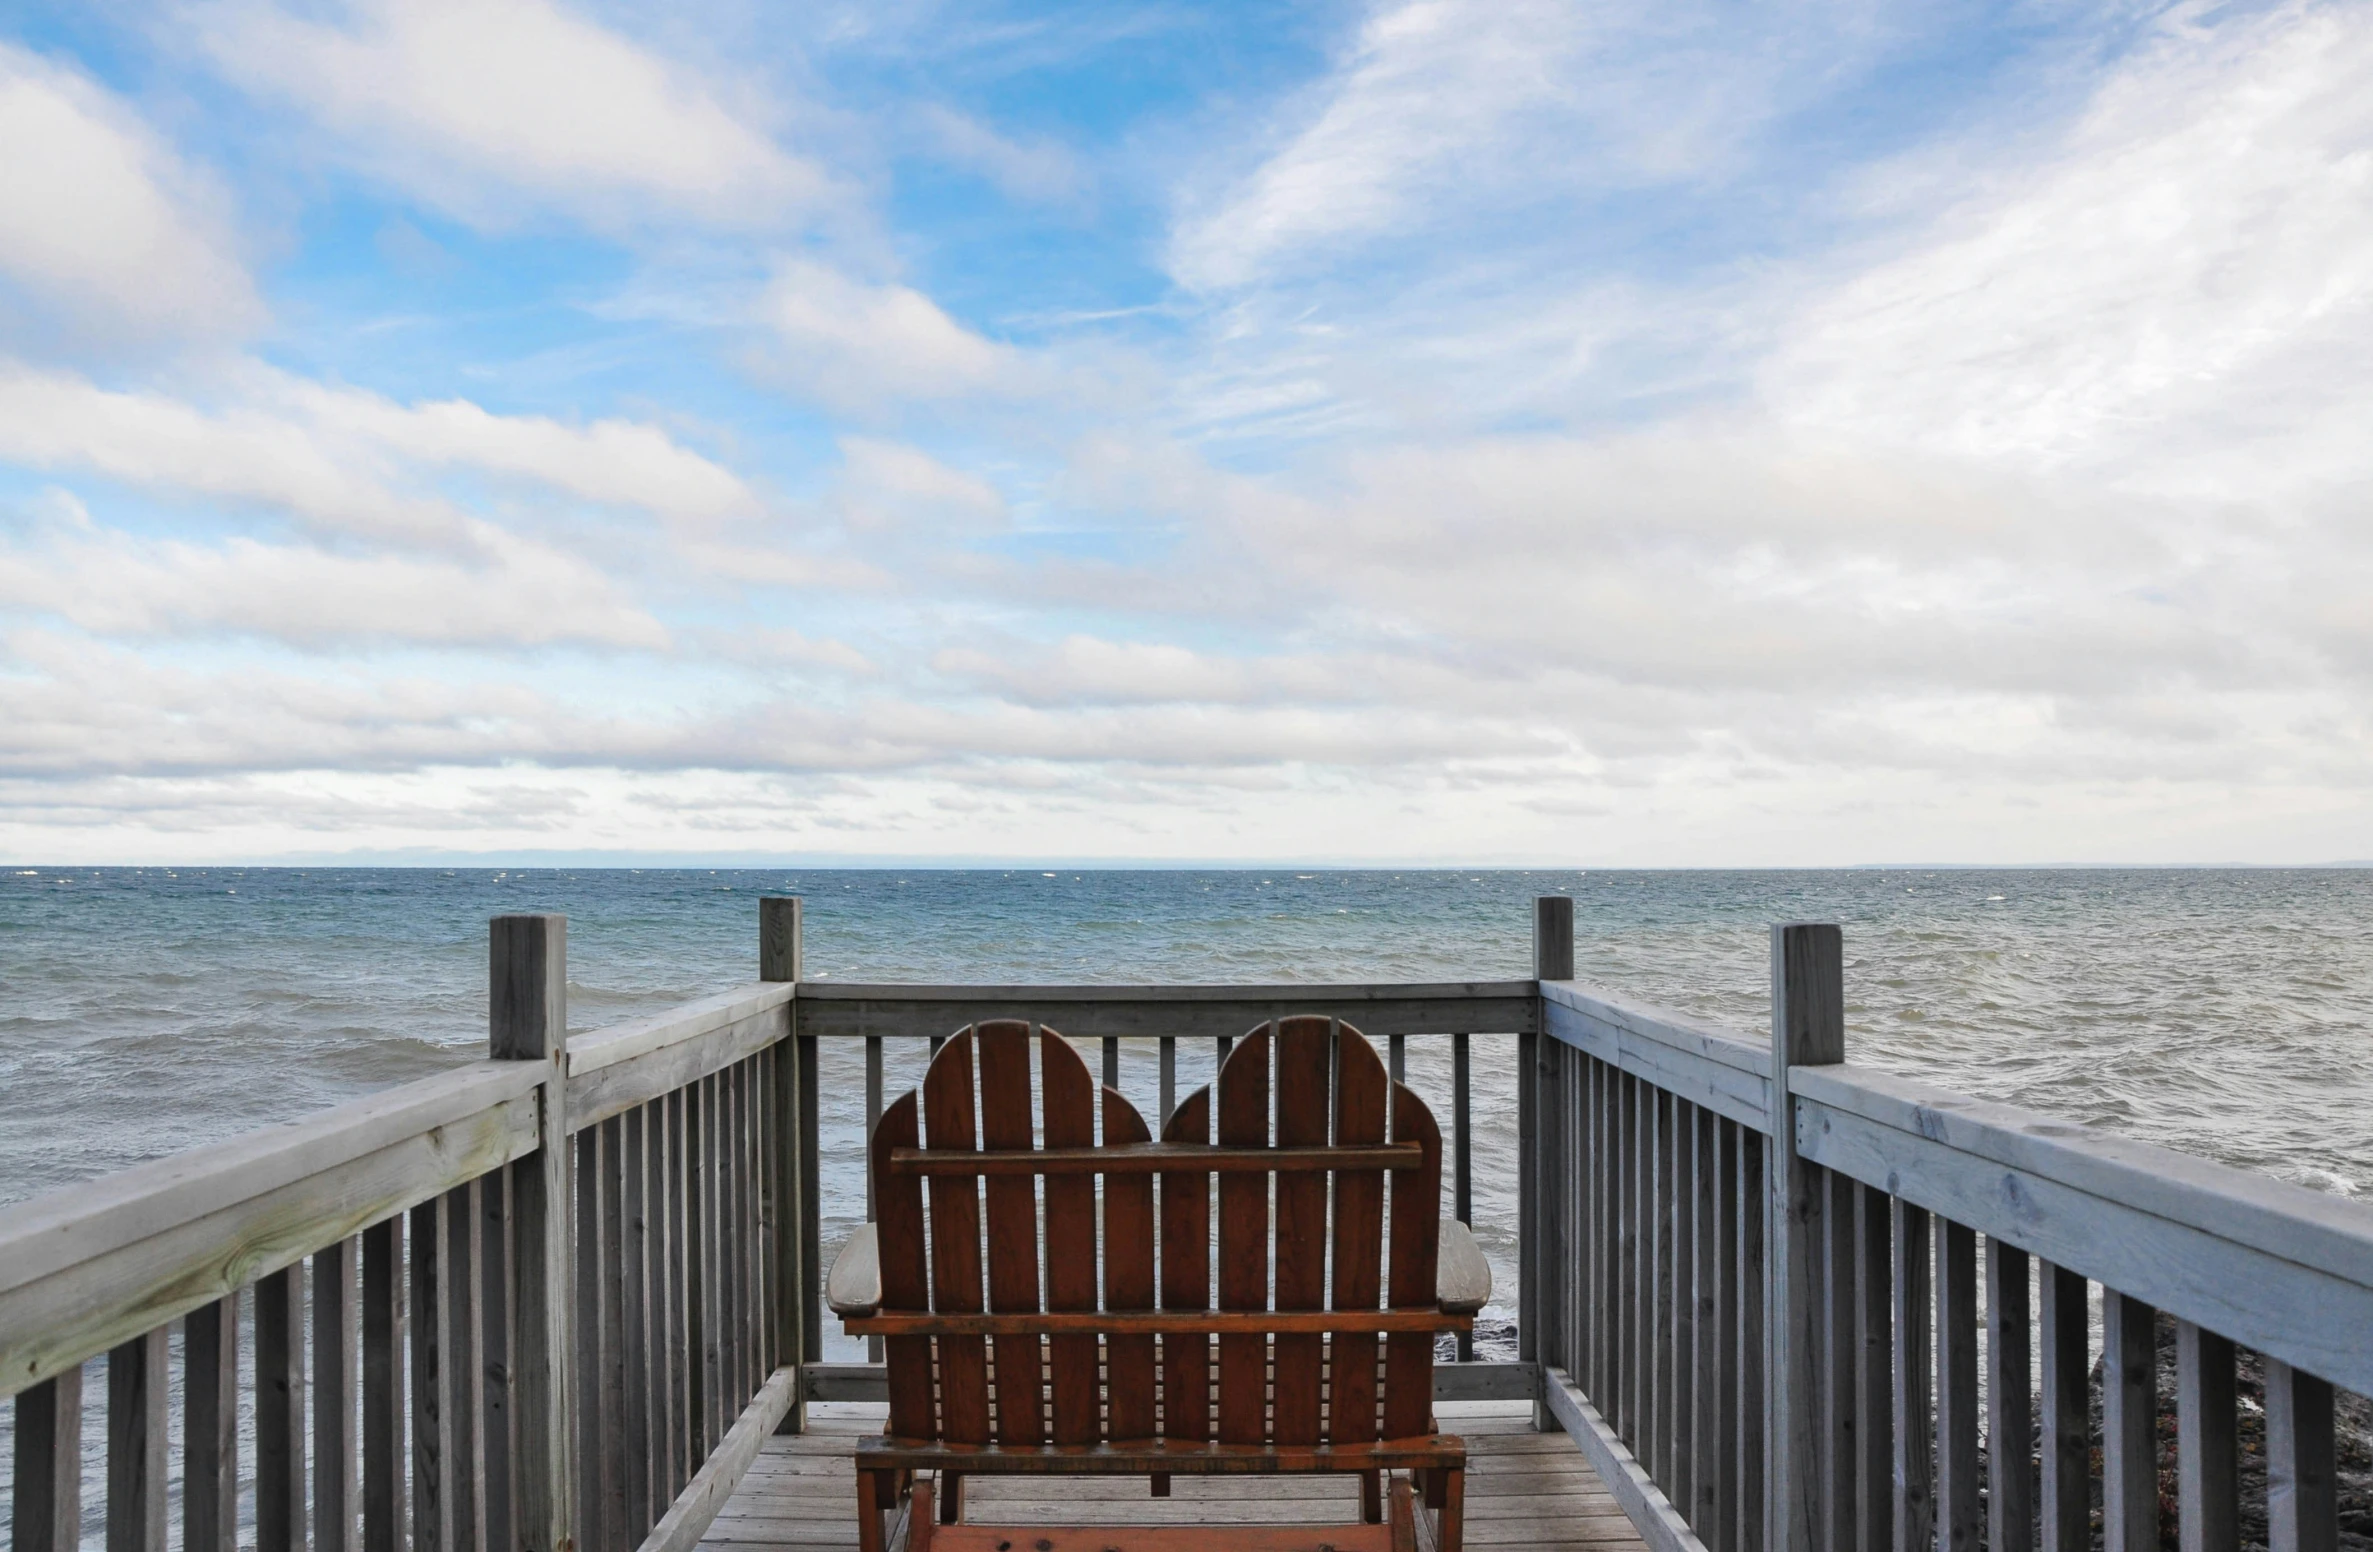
(1524, 1489)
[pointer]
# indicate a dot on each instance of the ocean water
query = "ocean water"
(2225, 1013)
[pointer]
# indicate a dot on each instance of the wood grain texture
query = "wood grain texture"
(210, 1418)
(1361, 1093)
(1960, 1518)
(1808, 1030)
(45, 1514)
(2129, 1424)
(136, 1456)
(1186, 1277)
(844, 1009)
(2010, 1400)
(956, 1243)
(1006, 1122)
(1069, 1097)
(2065, 1510)
(2208, 1446)
(905, 1280)
(2302, 1479)
(1244, 1240)
(1915, 1376)
(1414, 1240)
(280, 1412)
(1128, 1282)
(1305, 1069)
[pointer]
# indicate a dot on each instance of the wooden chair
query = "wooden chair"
(1119, 1380)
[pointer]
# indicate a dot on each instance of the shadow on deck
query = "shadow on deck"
(1524, 1489)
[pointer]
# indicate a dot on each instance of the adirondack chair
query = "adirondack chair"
(1074, 1378)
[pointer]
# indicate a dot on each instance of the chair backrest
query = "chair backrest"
(1297, 1082)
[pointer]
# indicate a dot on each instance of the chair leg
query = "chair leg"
(1161, 1484)
(869, 1512)
(1450, 1521)
(1404, 1517)
(1372, 1497)
(1432, 1479)
(951, 1507)
(919, 1518)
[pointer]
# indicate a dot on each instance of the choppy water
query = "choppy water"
(2228, 1013)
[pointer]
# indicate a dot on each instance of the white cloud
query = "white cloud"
(344, 459)
(2188, 271)
(472, 103)
(511, 593)
(1039, 170)
(101, 219)
(890, 485)
(857, 345)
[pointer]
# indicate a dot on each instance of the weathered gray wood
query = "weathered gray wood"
(709, 1351)
(811, 1196)
(46, 1515)
(1531, 1210)
(1630, 1390)
(595, 1524)
(527, 1022)
(136, 1440)
(280, 1412)
(698, 1237)
(789, 1218)
(1606, 1186)
(383, 1504)
(2302, 1475)
(597, 1096)
(619, 1530)
(1874, 1370)
(1169, 1056)
(781, 959)
(495, 1325)
(1553, 937)
(843, 1009)
(689, 1023)
(1663, 1393)
(1644, 1503)
(634, 1316)
(682, 1460)
(461, 1320)
(1680, 1480)
(1808, 1029)
(2287, 1309)
(1960, 1521)
(2066, 1509)
(688, 1518)
(1915, 1378)
(432, 1365)
(1462, 1183)
(1721, 1530)
(337, 1389)
(2207, 1442)
(170, 1237)
(2010, 1400)
(1753, 1353)
(1841, 1391)
(2129, 1424)
(1704, 1066)
(210, 1427)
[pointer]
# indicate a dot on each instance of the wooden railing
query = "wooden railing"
(556, 1299)
(1768, 1291)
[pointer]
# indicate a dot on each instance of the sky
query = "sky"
(1633, 433)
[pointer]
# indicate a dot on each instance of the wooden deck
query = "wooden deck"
(1524, 1489)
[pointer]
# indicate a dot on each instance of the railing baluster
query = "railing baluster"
(432, 1416)
(1705, 1260)
(1915, 1379)
(2010, 1400)
(2208, 1453)
(1841, 1395)
(136, 1458)
(1721, 1531)
(47, 1513)
(494, 1361)
(1960, 1520)
(634, 1331)
(280, 1412)
(1874, 1371)
(1681, 1488)
(2129, 1424)
(464, 1382)
(593, 1478)
(1462, 1192)
(2067, 1516)
(1754, 1453)
(383, 1388)
(1634, 1380)
(210, 1427)
(1662, 1391)
(1169, 1046)
(2302, 1478)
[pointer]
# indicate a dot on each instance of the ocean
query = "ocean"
(2228, 1013)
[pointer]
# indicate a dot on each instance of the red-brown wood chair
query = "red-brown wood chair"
(1100, 1375)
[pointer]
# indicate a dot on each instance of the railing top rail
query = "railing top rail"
(1092, 992)
(615, 1043)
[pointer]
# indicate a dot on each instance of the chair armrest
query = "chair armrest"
(854, 1285)
(1462, 1278)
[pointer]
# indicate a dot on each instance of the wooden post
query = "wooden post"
(799, 1329)
(527, 1020)
(1808, 1030)
(48, 1510)
(1553, 960)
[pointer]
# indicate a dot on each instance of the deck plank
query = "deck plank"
(1524, 1489)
